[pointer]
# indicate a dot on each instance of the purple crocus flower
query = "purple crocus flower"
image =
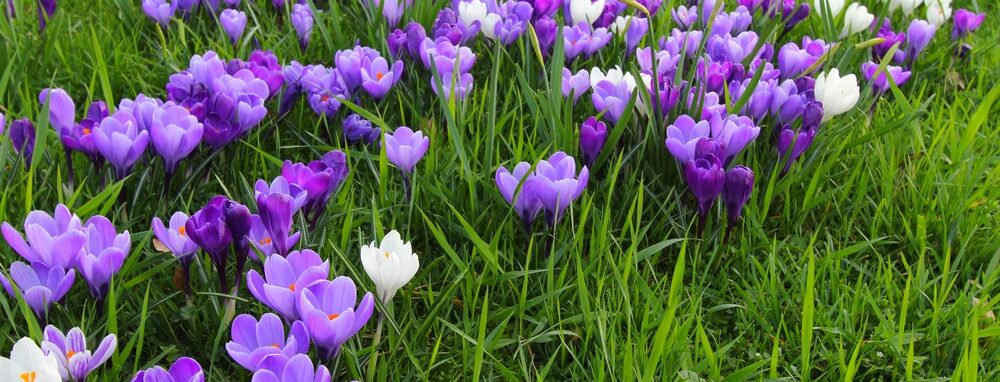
(285, 278)
(890, 38)
(734, 132)
(39, 285)
(714, 75)
(557, 184)
(525, 202)
(253, 340)
(396, 41)
(325, 89)
(577, 84)
(175, 133)
(637, 29)
(184, 369)
(705, 178)
(377, 78)
(46, 8)
(448, 26)
(260, 239)
(79, 137)
(545, 29)
(62, 110)
(880, 84)
(276, 213)
(329, 311)
(793, 61)
(610, 98)
(445, 57)
(238, 106)
(320, 178)
(685, 17)
(576, 39)
(265, 67)
(103, 255)
(22, 137)
(792, 144)
(735, 193)
(966, 22)
(593, 135)
(233, 22)
(683, 136)
(298, 368)
(293, 86)
(405, 148)
(121, 142)
(453, 87)
(359, 130)
(415, 35)
(74, 359)
(160, 11)
(730, 48)
(918, 36)
(350, 61)
(176, 240)
(209, 230)
(281, 186)
(302, 20)
(3, 122)
(52, 240)
(238, 219)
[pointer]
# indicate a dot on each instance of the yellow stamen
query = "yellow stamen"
(265, 241)
(386, 254)
(29, 377)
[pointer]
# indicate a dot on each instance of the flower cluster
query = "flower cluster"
(552, 186)
(360, 68)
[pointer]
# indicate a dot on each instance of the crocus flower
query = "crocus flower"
(405, 148)
(390, 265)
(209, 230)
(938, 11)
(276, 213)
(638, 26)
(3, 123)
(577, 84)
(445, 57)
(545, 29)
(396, 41)
(160, 11)
(121, 142)
(281, 186)
(233, 22)
(22, 136)
(837, 94)
(39, 285)
(175, 239)
(103, 254)
(610, 98)
(253, 340)
(27, 362)
(260, 239)
(184, 369)
(793, 61)
(918, 36)
(889, 38)
(585, 11)
(329, 311)
(705, 178)
(52, 240)
(906, 5)
(452, 87)
(415, 35)
(62, 110)
(298, 368)
(683, 136)
(880, 84)
(966, 22)
(325, 89)
(175, 133)
(792, 144)
(685, 17)
(734, 133)
(557, 184)
(593, 135)
(856, 19)
(79, 137)
(377, 78)
(74, 359)
(448, 26)
(302, 20)
(834, 7)
(320, 179)
(238, 219)
(359, 130)
(735, 193)
(46, 8)
(513, 187)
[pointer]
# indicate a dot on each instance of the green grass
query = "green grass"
(860, 264)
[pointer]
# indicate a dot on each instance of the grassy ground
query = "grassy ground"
(862, 263)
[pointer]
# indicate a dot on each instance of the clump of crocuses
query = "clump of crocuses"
(551, 187)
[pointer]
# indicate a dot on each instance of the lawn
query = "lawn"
(876, 256)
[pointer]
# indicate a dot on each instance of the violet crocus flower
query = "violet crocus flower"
(610, 98)
(734, 132)
(238, 106)
(103, 255)
(184, 369)
(121, 142)
(792, 144)
(705, 178)
(577, 84)
(276, 213)
(735, 193)
(638, 27)
(298, 368)
(966, 22)
(514, 188)
(557, 184)
(593, 135)
(448, 26)
(175, 239)
(209, 230)
(880, 84)
(685, 17)
(329, 311)
(545, 29)
(292, 74)
(415, 35)
(46, 8)
(302, 20)
(285, 279)
(233, 22)
(445, 57)
(405, 148)
(452, 87)
(62, 110)
(160, 11)
(325, 89)
(39, 285)
(254, 340)
(175, 133)
(260, 239)
(350, 61)
(52, 240)
(79, 137)
(890, 38)
(377, 78)
(918, 36)
(396, 41)
(320, 178)
(238, 219)
(22, 137)
(683, 136)
(793, 61)
(75, 360)
(281, 186)
(358, 130)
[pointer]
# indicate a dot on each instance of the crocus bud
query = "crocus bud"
(233, 22)
(966, 22)
(390, 265)
(158, 10)
(396, 40)
(735, 193)
(856, 19)
(812, 115)
(359, 130)
(415, 35)
(705, 178)
(545, 30)
(918, 35)
(22, 136)
(593, 135)
(302, 20)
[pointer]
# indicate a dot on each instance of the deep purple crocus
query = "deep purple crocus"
(238, 219)
(103, 255)
(545, 29)
(79, 137)
(325, 88)
(734, 132)
(966, 22)
(209, 230)
(320, 178)
(22, 136)
(513, 188)
(175, 133)
(332, 315)
(735, 193)
(792, 144)
(302, 20)
(298, 368)
(705, 178)
(233, 23)
(276, 213)
(75, 360)
(593, 135)
(52, 240)
(254, 340)
(121, 142)
(280, 185)
(285, 278)
(184, 369)
(358, 130)
(46, 8)
(405, 148)
(557, 184)
(40, 286)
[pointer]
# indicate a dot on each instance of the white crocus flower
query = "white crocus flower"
(472, 11)
(837, 94)
(835, 6)
(938, 11)
(620, 24)
(585, 10)
(391, 264)
(28, 363)
(906, 5)
(856, 19)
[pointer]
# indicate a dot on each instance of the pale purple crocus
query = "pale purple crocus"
(121, 142)
(683, 136)
(734, 132)
(253, 340)
(638, 27)
(79, 137)
(285, 278)
(325, 88)
(103, 255)
(46, 8)
(513, 188)
(302, 20)
(793, 61)
(62, 110)
(74, 359)
(260, 239)
(546, 29)
(184, 369)
(320, 179)
(881, 84)
(350, 61)
(452, 87)
(377, 78)
(610, 98)
(557, 184)
(575, 84)
(175, 133)
(174, 237)
(918, 36)
(281, 186)
(405, 148)
(233, 22)
(445, 57)
(39, 285)
(332, 314)
(685, 17)
(298, 368)
(53, 240)
(160, 11)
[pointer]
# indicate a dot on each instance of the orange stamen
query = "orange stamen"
(86, 131)
(29, 377)
(69, 354)
(333, 316)
(292, 287)
(181, 231)
(378, 76)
